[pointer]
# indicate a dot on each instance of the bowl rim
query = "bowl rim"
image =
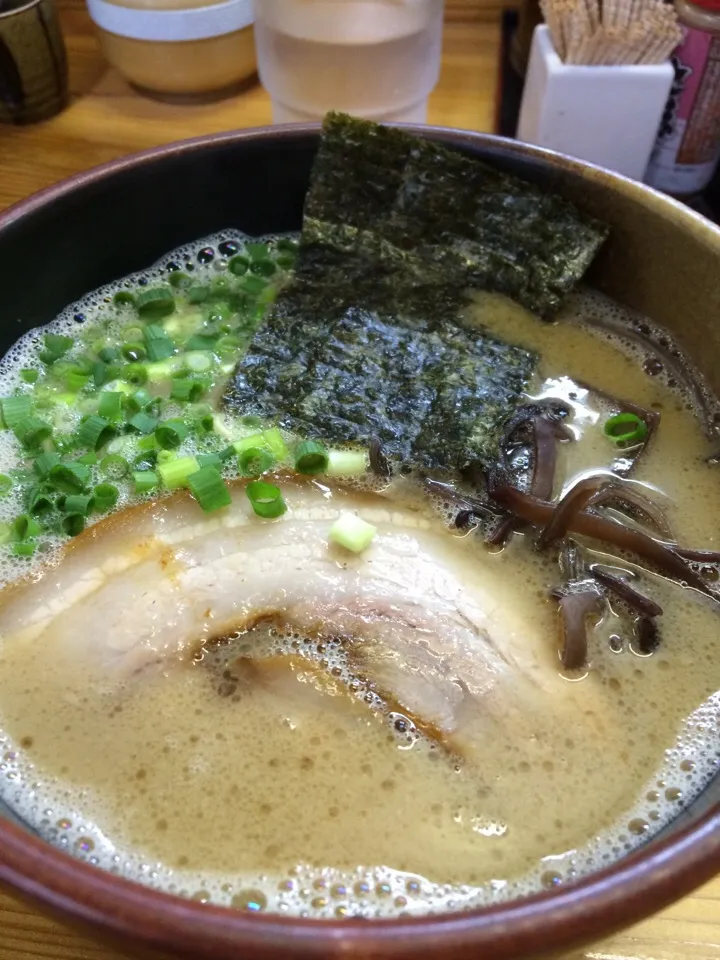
(595, 906)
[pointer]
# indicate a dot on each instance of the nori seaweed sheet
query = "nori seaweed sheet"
(484, 228)
(366, 341)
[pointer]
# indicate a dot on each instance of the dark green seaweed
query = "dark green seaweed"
(367, 342)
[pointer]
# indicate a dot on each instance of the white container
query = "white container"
(377, 59)
(608, 116)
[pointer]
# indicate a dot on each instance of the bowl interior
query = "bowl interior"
(72, 239)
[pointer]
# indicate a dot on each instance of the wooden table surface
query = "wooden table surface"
(106, 120)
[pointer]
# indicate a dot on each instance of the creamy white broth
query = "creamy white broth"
(309, 793)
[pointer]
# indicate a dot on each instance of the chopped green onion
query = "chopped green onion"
(198, 361)
(95, 432)
(255, 440)
(164, 456)
(626, 429)
(70, 477)
(198, 294)
(32, 431)
(23, 549)
(29, 375)
(38, 501)
(145, 480)
(155, 303)
(109, 354)
(255, 461)
(124, 299)
(253, 285)
(44, 463)
(148, 442)
(209, 489)
(274, 440)
(178, 279)
(136, 373)
(175, 473)
(5, 532)
(5, 484)
(81, 503)
(171, 434)
(15, 409)
(143, 422)
(285, 261)
(266, 499)
(263, 268)
(164, 368)
(201, 342)
(138, 400)
(210, 460)
(158, 344)
(63, 442)
(287, 245)
(75, 381)
(57, 343)
(352, 532)
(257, 251)
(346, 463)
(238, 265)
(88, 458)
(73, 524)
(110, 405)
(146, 461)
(134, 351)
(311, 458)
(186, 390)
(114, 466)
(24, 527)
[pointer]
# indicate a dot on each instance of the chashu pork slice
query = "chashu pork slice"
(430, 619)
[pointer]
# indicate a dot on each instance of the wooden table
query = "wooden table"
(106, 120)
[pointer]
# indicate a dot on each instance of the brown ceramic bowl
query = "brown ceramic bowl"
(662, 259)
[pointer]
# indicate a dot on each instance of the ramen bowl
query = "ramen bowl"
(662, 259)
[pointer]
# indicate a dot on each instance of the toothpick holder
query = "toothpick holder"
(606, 115)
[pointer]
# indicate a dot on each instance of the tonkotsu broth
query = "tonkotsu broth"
(306, 796)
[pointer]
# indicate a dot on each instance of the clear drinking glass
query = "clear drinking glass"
(377, 59)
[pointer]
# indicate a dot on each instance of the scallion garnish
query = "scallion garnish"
(198, 361)
(114, 466)
(626, 429)
(137, 401)
(134, 352)
(143, 422)
(24, 527)
(70, 477)
(351, 532)
(81, 503)
(209, 489)
(171, 433)
(311, 458)
(73, 524)
(274, 440)
(95, 432)
(5, 484)
(266, 499)
(135, 373)
(158, 344)
(57, 344)
(255, 461)
(175, 473)
(29, 375)
(90, 458)
(109, 354)
(155, 303)
(178, 279)
(346, 463)
(124, 299)
(31, 431)
(186, 390)
(76, 381)
(238, 265)
(38, 501)
(200, 341)
(210, 460)
(145, 480)
(198, 294)
(110, 405)
(15, 409)
(23, 549)
(44, 462)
